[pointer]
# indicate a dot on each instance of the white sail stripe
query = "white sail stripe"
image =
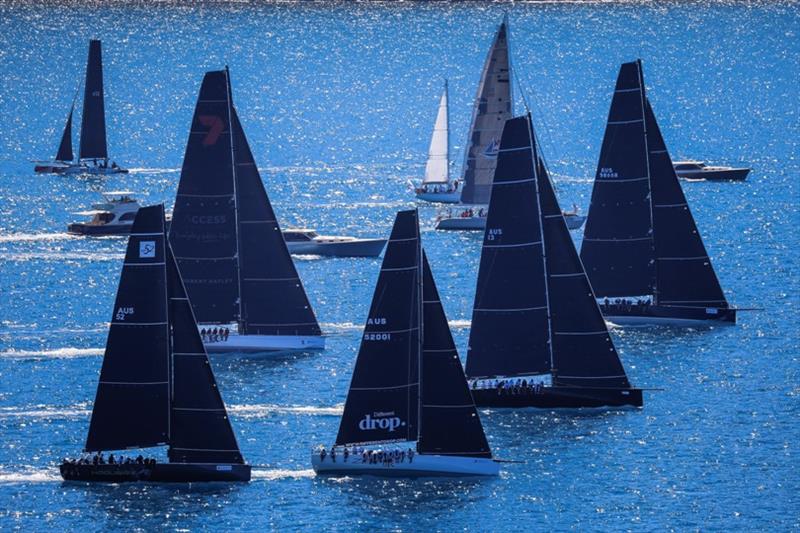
(560, 215)
(682, 258)
(399, 269)
(198, 409)
(142, 264)
(519, 149)
(513, 182)
(271, 279)
(636, 89)
(189, 353)
(138, 323)
(520, 245)
(180, 299)
(146, 234)
(619, 240)
(658, 151)
(617, 122)
(206, 195)
(392, 330)
(449, 406)
(402, 240)
(204, 450)
(440, 350)
(603, 332)
(431, 301)
(206, 258)
(671, 205)
(592, 377)
(509, 310)
(134, 382)
(611, 180)
(388, 387)
(573, 275)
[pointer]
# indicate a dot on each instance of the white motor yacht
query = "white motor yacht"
(301, 241)
(114, 216)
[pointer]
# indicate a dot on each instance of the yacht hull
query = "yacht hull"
(78, 228)
(236, 343)
(558, 397)
(422, 465)
(440, 197)
(479, 223)
(733, 174)
(77, 169)
(158, 473)
(356, 248)
(664, 315)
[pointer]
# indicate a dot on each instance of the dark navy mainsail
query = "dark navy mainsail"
(65, 146)
(493, 106)
(449, 421)
(382, 403)
(132, 405)
(200, 431)
(535, 311)
(509, 333)
(618, 248)
(274, 301)
(93, 121)
(684, 273)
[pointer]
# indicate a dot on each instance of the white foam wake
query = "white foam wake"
(263, 410)
(460, 323)
(31, 237)
(64, 256)
(44, 411)
(340, 326)
(280, 473)
(29, 475)
(59, 353)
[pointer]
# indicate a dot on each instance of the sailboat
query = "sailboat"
(538, 338)
(493, 106)
(244, 287)
(641, 246)
(156, 386)
(408, 411)
(436, 185)
(93, 154)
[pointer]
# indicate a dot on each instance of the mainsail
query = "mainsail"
(93, 122)
(534, 308)
(437, 169)
(224, 232)
(65, 146)
(493, 106)
(131, 409)
(382, 402)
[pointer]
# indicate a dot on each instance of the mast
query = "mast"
(447, 122)
(643, 96)
(421, 322)
(240, 319)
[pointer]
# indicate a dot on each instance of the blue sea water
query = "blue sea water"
(338, 101)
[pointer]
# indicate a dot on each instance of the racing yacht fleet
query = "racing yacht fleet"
(539, 335)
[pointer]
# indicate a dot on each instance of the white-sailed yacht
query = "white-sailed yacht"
(436, 185)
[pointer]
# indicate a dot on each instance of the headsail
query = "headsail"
(449, 421)
(437, 169)
(382, 403)
(493, 106)
(684, 272)
(200, 429)
(132, 406)
(509, 333)
(93, 122)
(618, 248)
(65, 147)
(273, 300)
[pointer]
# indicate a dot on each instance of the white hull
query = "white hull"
(236, 343)
(662, 321)
(420, 466)
(440, 197)
(344, 248)
(462, 223)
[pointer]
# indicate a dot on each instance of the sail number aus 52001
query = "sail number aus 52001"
(377, 336)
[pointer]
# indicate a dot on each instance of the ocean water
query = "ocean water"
(338, 101)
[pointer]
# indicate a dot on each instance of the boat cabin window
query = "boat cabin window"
(687, 166)
(103, 218)
(298, 236)
(127, 216)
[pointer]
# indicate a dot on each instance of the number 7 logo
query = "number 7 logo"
(215, 128)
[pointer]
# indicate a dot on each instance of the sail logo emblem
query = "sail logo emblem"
(95, 93)
(380, 420)
(607, 172)
(147, 249)
(215, 128)
(492, 149)
(122, 312)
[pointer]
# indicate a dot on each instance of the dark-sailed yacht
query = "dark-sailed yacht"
(538, 338)
(93, 156)
(408, 411)
(641, 247)
(156, 386)
(228, 243)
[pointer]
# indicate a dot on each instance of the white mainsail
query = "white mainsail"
(437, 169)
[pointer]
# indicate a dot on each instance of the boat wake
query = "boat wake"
(153, 170)
(32, 237)
(264, 410)
(31, 475)
(338, 327)
(459, 323)
(242, 411)
(280, 473)
(61, 256)
(43, 411)
(59, 353)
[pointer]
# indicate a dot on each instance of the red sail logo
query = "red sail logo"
(215, 128)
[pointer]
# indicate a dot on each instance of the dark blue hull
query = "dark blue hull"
(558, 397)
(667, 315)
(158, 473)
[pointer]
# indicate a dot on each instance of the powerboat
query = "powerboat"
(698, 170)
(472, 220)
(302, 241)
(114, 216)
